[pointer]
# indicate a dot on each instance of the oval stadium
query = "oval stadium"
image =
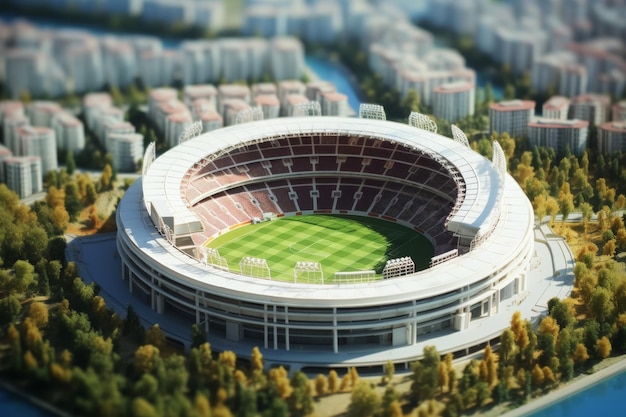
(475, 216)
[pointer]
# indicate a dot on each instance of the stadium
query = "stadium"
(474, 217)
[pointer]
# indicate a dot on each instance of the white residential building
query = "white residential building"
(557, 107)
(126, 149)
(335, 104)
(39, 141)
(192, 93)
(69, 131)
(205, 111)
(454, 101)
(227, 92)
(41, 113)
(269, 104)
(175, 125)
(511, 117)
(10, 125)
(231, 109)
(92, 105)
(612, 137)
(23, 174)
(559, 134)
(619, 111)
(591, 107)
(286, 58)
(4, 154)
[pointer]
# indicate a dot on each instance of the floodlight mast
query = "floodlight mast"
(249, 115)
(191, 131)
(372, 111)
(421, 121)
(311, 108)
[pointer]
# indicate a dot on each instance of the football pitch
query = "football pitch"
(340, 243)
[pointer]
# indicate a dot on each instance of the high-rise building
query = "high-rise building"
(572, 79)
(10, 125)
(591, 107)
(204, 110)
(556, 107)
(23, 174)
(39, 141)
(4, 154)
(619, 111)
(559, 134)
(93, 104)
(41, 113)
(511, 117)
(334, 104)
(269, 104)
(286, 58)
(175, 125)
(454, 101)
(227, 92)
(612, 137)
(231, 109)
(192, 93)
(70, 132)
(126, 149)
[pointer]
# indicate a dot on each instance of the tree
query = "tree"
(198, 335)
(156, 337)
(70, 164)
(23, 276)
(609, 248)
(333, 381)
(10, 308)
(321, 385)
(390, 369)
(146, 358)
(38, 313)
(603, 349)
(72, 200)
(580, 354)
(301, 400)
(106, 178)
(364, 402)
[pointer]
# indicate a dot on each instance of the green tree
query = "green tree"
(10, 308)
(301, 400)
(72, 200)
(70, 164)
(364, 402)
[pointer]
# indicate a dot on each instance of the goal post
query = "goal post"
(212, 257)
(254, 267)
(347, 277)
(309, 272)
(398, 267)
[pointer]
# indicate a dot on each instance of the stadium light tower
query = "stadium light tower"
(312, 108)
(459, 136)
(191, 131)
(421, 121)
(372, 111)
(148, 158)
(249, 115)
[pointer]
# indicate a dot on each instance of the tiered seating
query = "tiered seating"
(308, 159)
(245, 201)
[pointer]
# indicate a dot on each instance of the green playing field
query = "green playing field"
(339, 243)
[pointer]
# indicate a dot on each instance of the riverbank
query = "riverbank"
(602, 371)
(18, 402)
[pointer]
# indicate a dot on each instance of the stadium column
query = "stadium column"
(265, 327)
(287, 328)
(335, 335)
(196, 300)
(275, 329)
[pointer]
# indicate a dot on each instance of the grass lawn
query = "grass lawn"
(338, 243)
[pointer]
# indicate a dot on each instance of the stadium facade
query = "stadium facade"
(476, 216)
